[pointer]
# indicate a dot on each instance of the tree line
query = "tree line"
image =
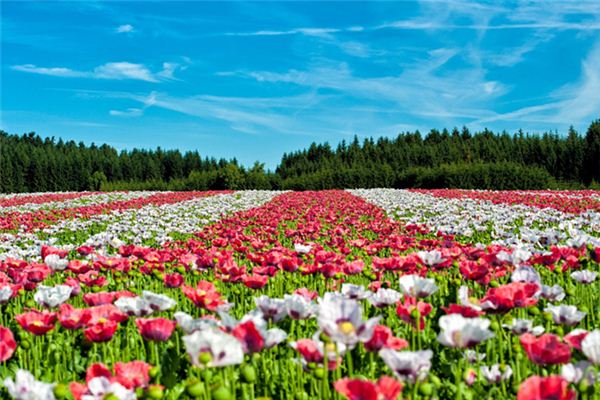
(456, 158)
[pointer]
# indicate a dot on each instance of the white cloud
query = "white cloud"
(113, 70)
(168, 69)
(124, 70)
(578, 102)
(52, 71)
(130, 112)
(422, 87)
(125, 28)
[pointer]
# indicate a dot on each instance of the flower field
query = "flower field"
(375, 294)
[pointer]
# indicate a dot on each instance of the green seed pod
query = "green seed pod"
(154, 372)
(248, 373)
(426, 389)
(25, 344)
(61, 391)
(320, 373)
(494, 284)
(547, 316)
(435, 380)
(534, 311)
(205, 358)
(415, 314)
(30, 303)
(196, 389)
(301, 396)
(584, 385)
(155, 392)
(222, 393)
(495, 326)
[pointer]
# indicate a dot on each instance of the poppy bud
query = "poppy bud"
(155, 392)
(249, 373)
(320, 373)
(196, 389)
(222, 393)
(61, 391)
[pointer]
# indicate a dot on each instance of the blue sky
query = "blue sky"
(255, 80)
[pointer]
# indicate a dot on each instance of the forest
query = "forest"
(453, 159)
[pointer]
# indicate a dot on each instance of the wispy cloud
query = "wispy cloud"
(127, 28)
(113, 70)
(423, 85)
(130, 112)
(52, 71)
(577, 102)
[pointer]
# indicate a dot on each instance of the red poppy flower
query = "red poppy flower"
(106, 312)
(133, 374)
(575, 337)
(411, 309)
(205, 295)
(72, 318)
(174, 280)
(74, 283)
(385, 388)
(507, 297)
(97, 370)
(307, 294)
(311, 353)
(465, 311)
(383, 337)
(475, 271)
(7, 344)
(159, 329)
(251, 339)
(546, 349)
(78, 390)
(255, 281)
(36, 322)
(98, 299)
(553, 387)
(101, 332)
(92, 278)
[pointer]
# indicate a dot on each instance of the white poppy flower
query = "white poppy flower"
(25, 387)
(55, 262)
(494, 374)
(355, 292)
(408, 365)
(565, 314)
(384, 297)
(298, 307)
(553, 293)
(190, 324)
(431, 258)
(590, 346)
(272, 309)
(158, 302)
(416, 286)
(585, 276)
(458, 331)
(213, 348)
(52, 296)
(522, 326)
(5, 294)
(341, 320)
(302, 248)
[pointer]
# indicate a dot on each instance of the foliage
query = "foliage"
(459, 159)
